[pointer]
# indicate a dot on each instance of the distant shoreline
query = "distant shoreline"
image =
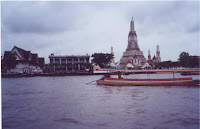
(48, 75)
(80, 74)
(60, 74)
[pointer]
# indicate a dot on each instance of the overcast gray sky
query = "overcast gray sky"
(66, 28)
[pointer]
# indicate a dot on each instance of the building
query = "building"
(155, 59)
(133, 52)
(68, 64)
(146, 66)
(24, 61)
(130, 65)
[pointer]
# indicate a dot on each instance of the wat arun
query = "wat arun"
(133, 53)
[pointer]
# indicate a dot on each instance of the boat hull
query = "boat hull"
(148, 82)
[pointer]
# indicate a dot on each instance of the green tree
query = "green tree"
(102, 59)
(166, 64)
(157, 65)
(194, 62)
(184, 59)
(10, 62)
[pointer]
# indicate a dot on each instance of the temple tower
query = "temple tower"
(113, 59)
(132, 25)
(132, 38)
(158, 54)
(132, 52)
(149, 55)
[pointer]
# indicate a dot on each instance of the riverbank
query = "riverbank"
(67, 74)
(103, 72)
(49, 74)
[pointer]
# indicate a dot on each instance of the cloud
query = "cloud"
(67, 28)
(39, 17)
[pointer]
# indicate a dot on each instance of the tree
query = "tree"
(194, 62)
(166, 64)
(184, 59)
(10, 61)
(102, 59)
(157, 65)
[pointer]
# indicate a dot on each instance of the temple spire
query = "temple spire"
(112, 50)
(158, 54)
(113, 59)
(149, 55)
(132, 25)
(158, 51)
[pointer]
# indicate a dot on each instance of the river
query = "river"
(67, 102)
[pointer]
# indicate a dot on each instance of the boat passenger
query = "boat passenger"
(119, 75)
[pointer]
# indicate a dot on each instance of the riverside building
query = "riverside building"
(69, 63)
(133, 53)
(25, 61)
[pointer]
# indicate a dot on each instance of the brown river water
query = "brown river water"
(69, 103)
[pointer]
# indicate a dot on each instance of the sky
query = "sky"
(79, 28)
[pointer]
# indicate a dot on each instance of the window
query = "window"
(51, 61)
(81, 60)
(69, 60)
(63, 61)
(57, 61)
(75, 60)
